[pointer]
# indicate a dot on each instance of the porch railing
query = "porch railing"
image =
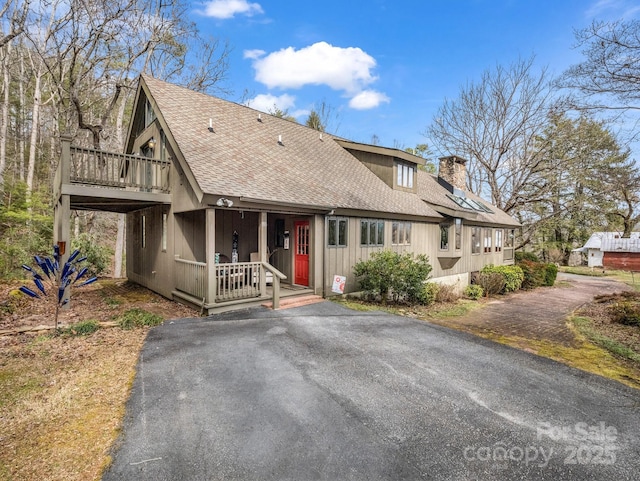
(238, 281)
(191, 278)
(232, 281)
(96, 167)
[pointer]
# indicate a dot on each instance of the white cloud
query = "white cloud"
(253, 54)
(619, 8)
(224, 9)
(368, 99)
(348, 69)
(267, 102)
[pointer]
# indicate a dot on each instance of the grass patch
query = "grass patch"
(63, 403)
(584, 326)
(137, 317)
(356, 304)
(83, 328)
(584, 271)
(585, 356)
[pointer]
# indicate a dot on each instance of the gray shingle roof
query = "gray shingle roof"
(435, 194)
(242, 157)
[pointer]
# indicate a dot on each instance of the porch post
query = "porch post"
(262, 249)
(262, 237)
(210, 249)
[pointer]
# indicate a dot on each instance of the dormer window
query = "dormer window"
(405, 175)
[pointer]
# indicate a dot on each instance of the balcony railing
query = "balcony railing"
(96, 167)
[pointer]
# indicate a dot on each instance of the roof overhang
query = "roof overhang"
(376, 149)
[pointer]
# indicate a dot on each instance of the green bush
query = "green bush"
(473, 291)
(550, 274)
(137, 317)
(390, 275)
(431, 290)
(526, 256)
(98, 257)
(534, 274)
(512, 275)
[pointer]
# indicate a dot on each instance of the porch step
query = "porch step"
(289, 302)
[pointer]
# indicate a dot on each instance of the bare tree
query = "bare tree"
(496, 124)
(16, 11)
(609, 76)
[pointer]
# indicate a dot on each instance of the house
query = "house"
(227, 206)
(611, 250)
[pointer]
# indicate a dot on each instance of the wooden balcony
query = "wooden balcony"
(100, 180)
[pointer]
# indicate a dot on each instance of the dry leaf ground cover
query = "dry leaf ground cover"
(62, 397)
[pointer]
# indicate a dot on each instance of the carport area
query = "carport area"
(324, 393)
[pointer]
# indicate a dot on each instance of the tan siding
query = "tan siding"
(380, 165)
(245, 224)
(425, 239)
(150, 266)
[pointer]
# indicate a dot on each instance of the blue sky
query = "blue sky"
(385, 66)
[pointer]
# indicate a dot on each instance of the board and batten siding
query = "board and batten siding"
(150, 265)
(425, 239)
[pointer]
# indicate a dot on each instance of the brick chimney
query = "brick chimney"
(452, 173)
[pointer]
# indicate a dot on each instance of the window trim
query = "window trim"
(338, 221)
(498, 241)
(476, 235)
(405, 175)
(165, 219)
(446, 230)
(400, 233)
(488, 239)
(143, 231)
(457, 235)
(378, 232)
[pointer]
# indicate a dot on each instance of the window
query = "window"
(405, 175)
(458, 233)
(475, 240)
(487, 241)
(372, 232)
(444, 237)
(164, 231)
(401, 233)
(149, 114)
(509, 236)
(143, 231)
(336, 232)
(498, 240)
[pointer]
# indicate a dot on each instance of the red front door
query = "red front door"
(301, 276)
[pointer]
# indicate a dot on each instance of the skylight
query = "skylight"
(467, 203)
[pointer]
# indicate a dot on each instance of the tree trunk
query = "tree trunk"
(33, 144)
(119, 249)
(21, 120)
(120, 235)
(4, 128)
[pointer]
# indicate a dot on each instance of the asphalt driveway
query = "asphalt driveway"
(324, 393)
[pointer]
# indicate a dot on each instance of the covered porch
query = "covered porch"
(225, 258)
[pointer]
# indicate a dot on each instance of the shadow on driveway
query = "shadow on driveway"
(324, 393)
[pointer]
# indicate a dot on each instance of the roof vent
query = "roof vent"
(259, 117)
(210, 124)
(280, 139)
(320, 135)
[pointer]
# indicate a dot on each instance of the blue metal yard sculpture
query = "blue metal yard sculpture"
(57, 280)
